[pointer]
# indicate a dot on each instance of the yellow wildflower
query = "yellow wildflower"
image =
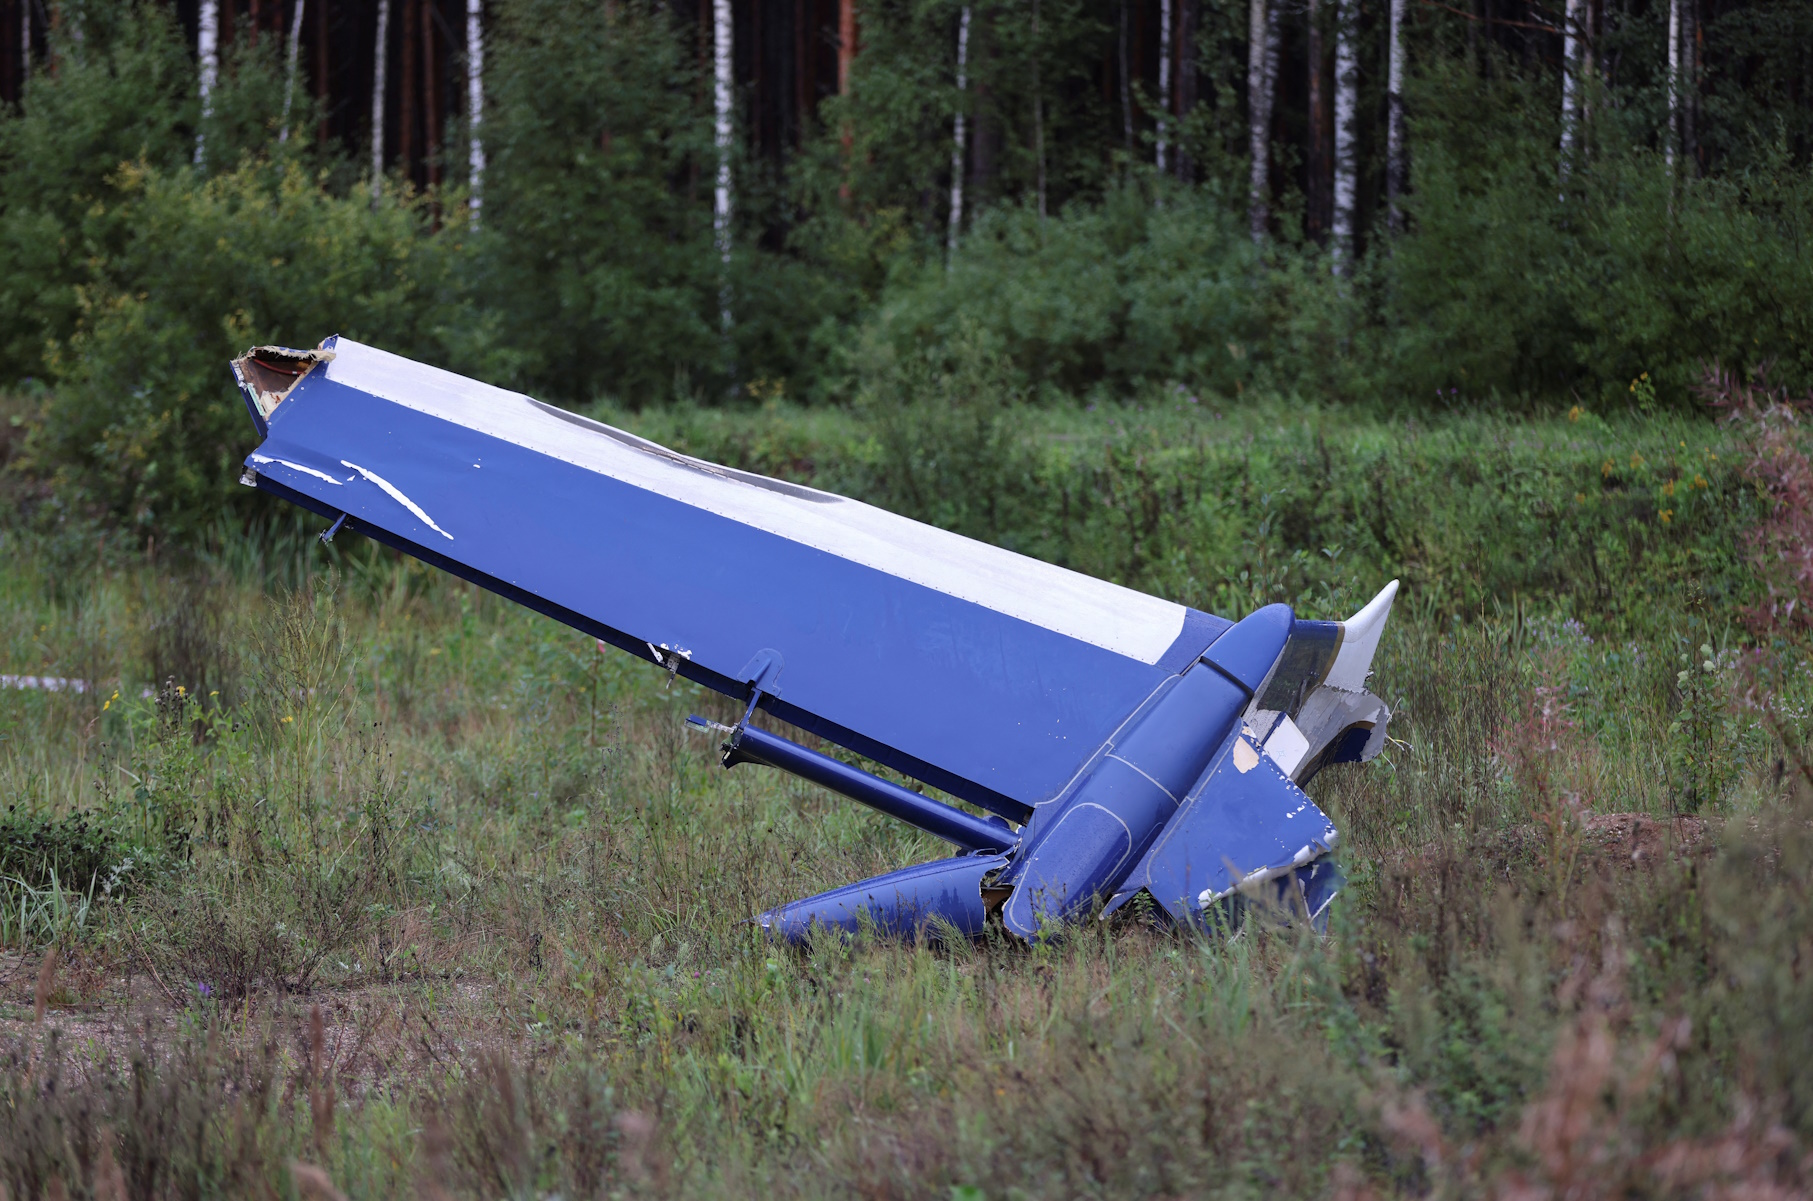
(1668, 489)
(287, 719)
(1636, 460)
(1667, 515)
(1573, 414)
(1699, 481)
(1607, 469)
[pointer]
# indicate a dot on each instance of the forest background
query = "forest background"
(1098, 198)
(320, 872)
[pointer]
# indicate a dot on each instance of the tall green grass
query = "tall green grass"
(518, 890)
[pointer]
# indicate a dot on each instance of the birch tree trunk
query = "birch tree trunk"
(1674, 84)
(1261, 74)
(1570, 86)
(722, 65)
(1347, 97)
(1164, 77)
(380, 59)
(957, 139)
(1396, 169)
(1689, 83)
(289, 75)
(207, 49)
(1316, 160)
(475, 106)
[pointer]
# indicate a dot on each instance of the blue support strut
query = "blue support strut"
(750, 745)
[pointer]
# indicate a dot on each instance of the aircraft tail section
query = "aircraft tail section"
(1316, 709)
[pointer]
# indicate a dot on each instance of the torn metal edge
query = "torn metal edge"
(268, 374)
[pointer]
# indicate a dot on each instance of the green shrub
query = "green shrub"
(1512, 283)
(120, 90)
(144, 421)
(1101, 297)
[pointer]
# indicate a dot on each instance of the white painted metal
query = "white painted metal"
(1286, 745)
(1106, 615)
(1359, 640)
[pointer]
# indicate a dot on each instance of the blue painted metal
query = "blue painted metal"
(1131, 769)
(1099, 831)
(901, 903)
(750, 744)
(1248, 660)
(1243, 823)
(992, 709)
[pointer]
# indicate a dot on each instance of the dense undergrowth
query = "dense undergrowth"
(390, 878)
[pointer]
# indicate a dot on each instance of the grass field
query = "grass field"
(393, 881)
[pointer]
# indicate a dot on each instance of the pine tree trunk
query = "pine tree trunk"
(1261, 74)
(289, 75)
(1347, 100)
(957, 138)
(380, 60)
(846, 43)
(1164, 78)
(24, 47)
(846, 58)
(1397, 176)
(475, 106)
(207, 50)
(722, 65)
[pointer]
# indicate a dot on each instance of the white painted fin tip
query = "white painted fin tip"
(1359, 640)
(1373, 614)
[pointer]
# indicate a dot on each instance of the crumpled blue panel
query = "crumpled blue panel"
(1084, 845)
(902, 902)
(1244, 822)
